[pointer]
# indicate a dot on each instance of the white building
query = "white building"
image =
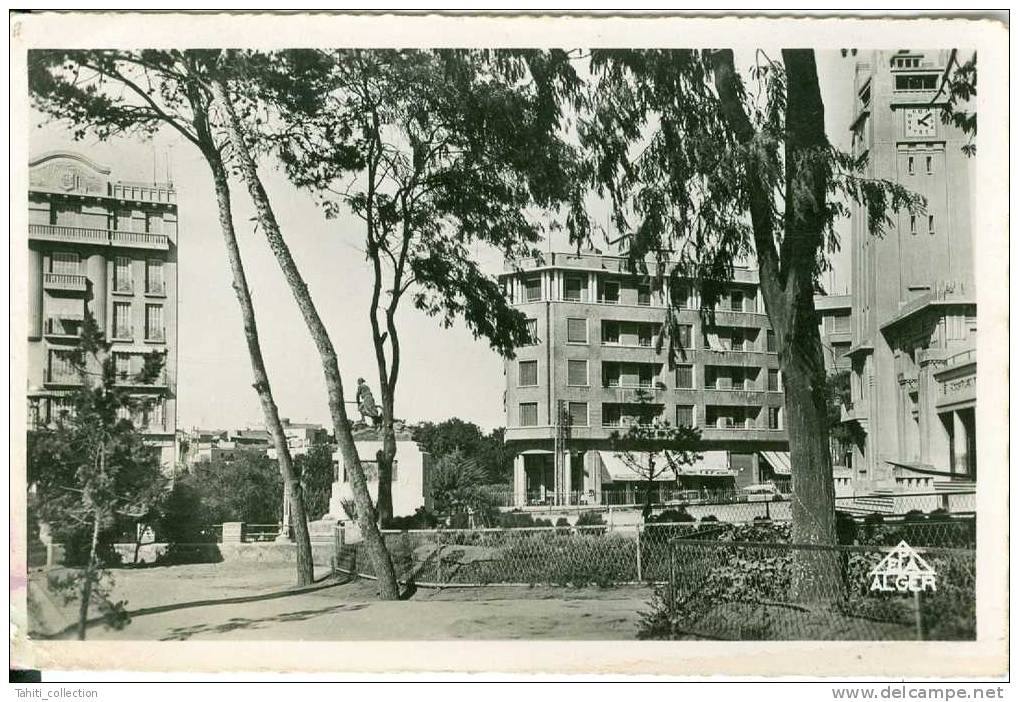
(410, 476)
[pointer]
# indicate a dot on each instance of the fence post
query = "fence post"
(671, 590)
(767, 510)
(438, 555)
(921, 633)
(639, 578)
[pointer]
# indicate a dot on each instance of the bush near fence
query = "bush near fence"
(742, 590)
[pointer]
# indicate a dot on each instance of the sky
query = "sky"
(444, 372)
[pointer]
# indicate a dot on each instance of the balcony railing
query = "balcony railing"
(65, 281)
(98, 237)
(123, 287)
(131, 380)
(155, 335)
(157, 289)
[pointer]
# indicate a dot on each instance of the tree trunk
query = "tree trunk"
(305, 564)
(385, 464)
(90, 569)
(787, 285)
(388, 586)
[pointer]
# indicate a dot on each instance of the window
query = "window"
(750, 304)
(906, 62)
(684, 377)
(644, 295)
(610, 293)
(685, 335)
(154, 282)
(609, 332)
(611, 416)
(684, 416)
(772, 380)
(125, 221)
(770, 341)
(930, 224)
(915, 81)
(576, 372)
(121, 320)
(909, 165)
(573, 288)
(681, 296)
(576, 331)
(527, 373)
(122, 274)
(912, 224)
(929, 164)
(61, 367)
(64, 215)
(532, 289)
(645, 335)
(578, 414)
(736, 300)
(532, 332)
(774, 418)
(736, 339)
(64, 263)
(153, 223)
(645, 375)
(153, 415)
(528, 416)
(154, 323)
(610, 375)
(122, 365)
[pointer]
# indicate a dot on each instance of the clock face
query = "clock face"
(920, 122)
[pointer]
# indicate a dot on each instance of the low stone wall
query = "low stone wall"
(269, 552)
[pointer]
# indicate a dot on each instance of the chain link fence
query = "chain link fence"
(760, 591)
(602, 555)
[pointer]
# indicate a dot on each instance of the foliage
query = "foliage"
(349, 508)
(247, 488)
(671, 516)
(654, 449)
(958, 88)
(590, 518)
(315, 471)
(421, 519)
(456, 485)
(489, 451)
(92, 470)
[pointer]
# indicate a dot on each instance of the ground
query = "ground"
(234, 601)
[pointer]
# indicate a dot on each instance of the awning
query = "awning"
(779, 462)
(616, 468)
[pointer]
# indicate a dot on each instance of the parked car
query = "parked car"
(764, 492)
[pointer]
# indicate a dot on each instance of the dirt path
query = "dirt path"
(187, 603)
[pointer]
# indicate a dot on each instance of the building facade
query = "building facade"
(592, 369)
(913, 335)
(107, 247)
(410, 477)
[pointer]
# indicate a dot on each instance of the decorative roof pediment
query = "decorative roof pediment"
(68, 172)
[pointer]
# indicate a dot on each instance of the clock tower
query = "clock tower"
(913, 294)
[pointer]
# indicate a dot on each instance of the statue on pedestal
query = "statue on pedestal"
(366, 403)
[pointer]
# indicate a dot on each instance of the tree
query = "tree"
(109, 93)
(315, 469)
(246, 488)
(457, 486)
(652, 448)
(488, 450)
(702, 174)
(436, 152)
(92, 469)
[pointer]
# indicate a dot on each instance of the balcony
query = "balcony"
(131, 380)
(626, 394)
(123, 287)
(64, 282)
(155, 289)
(98, 237)
(737, 396)
(155, 336)
(742, 433)
(851, 412)
(63, 326)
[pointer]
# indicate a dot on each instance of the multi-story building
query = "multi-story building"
(834, 313)
(914, 305)
(107, 247)
(592, 369)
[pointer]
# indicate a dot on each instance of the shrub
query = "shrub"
(562, 522)
(709, 518)
(590, 518)
(670, 516)
(421, 519)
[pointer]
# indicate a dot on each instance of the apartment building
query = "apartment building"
(108, 247)
(592, 369)
(913, 331)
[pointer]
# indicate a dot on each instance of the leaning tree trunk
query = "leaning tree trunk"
(366, 515)
(787, 285)
(299, 518)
